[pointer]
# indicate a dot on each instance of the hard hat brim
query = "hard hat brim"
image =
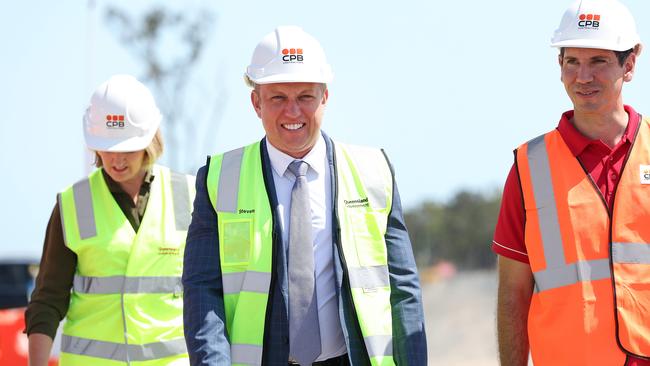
(135, 143)
(293, 78)
(595, 43)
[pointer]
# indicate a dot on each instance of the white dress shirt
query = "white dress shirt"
(320, 194)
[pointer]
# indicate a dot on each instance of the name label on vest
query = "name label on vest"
(361, 202)
(644, 174)
(245, 211)
(168, 251)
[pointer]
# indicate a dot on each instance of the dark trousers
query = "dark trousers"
(336, 361)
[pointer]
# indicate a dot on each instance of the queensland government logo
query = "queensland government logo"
(168, 251)
(589, 21)
(361, 202)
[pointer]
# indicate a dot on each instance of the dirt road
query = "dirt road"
(460, 319)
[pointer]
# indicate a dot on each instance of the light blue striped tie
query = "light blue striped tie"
(304, 330)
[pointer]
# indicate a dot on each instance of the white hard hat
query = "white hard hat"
(603, 24)
(122, 116)
(288, 55)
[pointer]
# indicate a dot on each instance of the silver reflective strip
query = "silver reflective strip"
(229, 181)
(379, 345)
(83, 203)
(246, 354)
(59, 199)
(568, 274)
(181, 199)
(557, 273)
(249, 281)
(637, 253)
(369, 277)
(127, 285)
(540, 174)
(119, 352)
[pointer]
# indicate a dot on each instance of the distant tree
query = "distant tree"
(424, 224)
(170, 44)
(459, 231)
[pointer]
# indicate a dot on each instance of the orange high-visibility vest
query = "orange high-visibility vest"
(591, 302)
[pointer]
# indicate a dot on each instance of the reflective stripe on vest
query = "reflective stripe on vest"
(249, 281)
(369, 277)
(229, 181)
(367, 192)
(181, 200)
(246, 354)
(638, 253)
(127, 285)
(117, 310)
(379, 346)
(120, 351)
(557, 273)
(84, 208)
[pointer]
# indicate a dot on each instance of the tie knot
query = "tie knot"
(298, 168)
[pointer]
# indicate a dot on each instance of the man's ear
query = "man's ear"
(255, 100)
(629, 65)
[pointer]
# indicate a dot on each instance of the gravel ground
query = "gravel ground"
(460, 319)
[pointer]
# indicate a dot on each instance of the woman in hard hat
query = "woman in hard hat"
(113, 254)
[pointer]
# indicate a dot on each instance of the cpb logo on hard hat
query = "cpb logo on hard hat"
(589, 21)
(291, 55)
(114, 121)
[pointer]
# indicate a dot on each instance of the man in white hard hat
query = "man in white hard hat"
(573, 235)
(297, 251)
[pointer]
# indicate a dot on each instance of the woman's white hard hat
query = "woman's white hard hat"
(122, 116)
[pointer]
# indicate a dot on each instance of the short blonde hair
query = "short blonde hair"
(151, 152)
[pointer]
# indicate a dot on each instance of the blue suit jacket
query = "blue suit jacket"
(204, 316)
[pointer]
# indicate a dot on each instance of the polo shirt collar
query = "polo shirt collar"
(315, 157)
(578, 142)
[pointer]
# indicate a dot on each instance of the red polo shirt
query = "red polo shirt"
(603, 164)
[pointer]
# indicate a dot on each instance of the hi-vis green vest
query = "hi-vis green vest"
(126, 306)
(363, 202)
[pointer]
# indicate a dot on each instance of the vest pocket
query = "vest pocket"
(235, 239)
(369, 237)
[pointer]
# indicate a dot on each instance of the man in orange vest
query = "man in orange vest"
(573, 235)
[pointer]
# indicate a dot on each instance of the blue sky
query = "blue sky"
(447, 88)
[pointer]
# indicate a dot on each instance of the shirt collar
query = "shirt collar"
(315, 157)
(578, 142)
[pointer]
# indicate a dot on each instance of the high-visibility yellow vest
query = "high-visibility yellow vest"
(245, 222)
(591, 302)
(126, 305)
